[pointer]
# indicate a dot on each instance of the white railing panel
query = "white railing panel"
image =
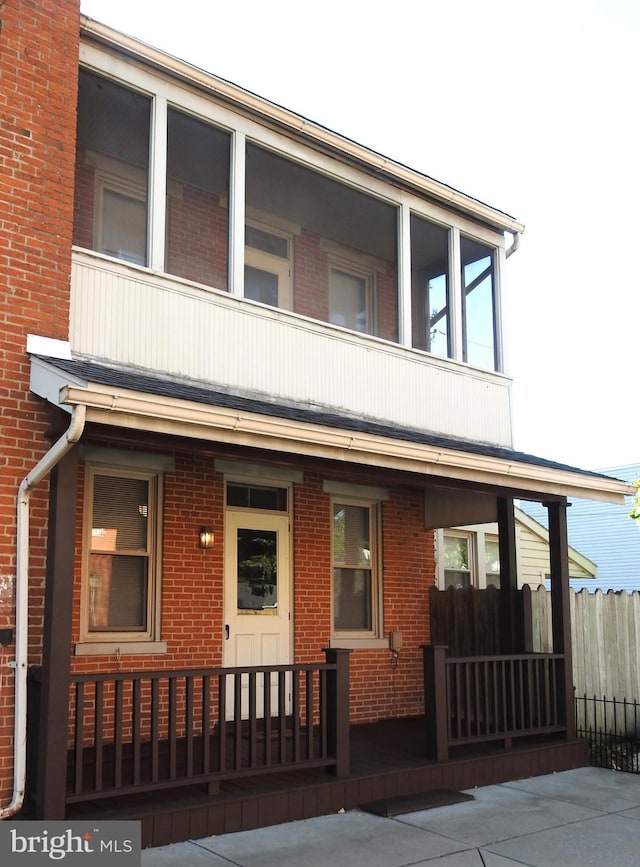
(129, 316)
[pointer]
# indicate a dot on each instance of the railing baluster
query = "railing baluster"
(253, 721)
(189, 725)
(324, 745)
(282, 716)
(237, 721)
(205, 704)
(98, 731)
(266, 689)
(117, 735)
(222, 722)
(172, 733)
(295, 710)
(136, 712)
(309, 714)
(79, 738)
(155, 734)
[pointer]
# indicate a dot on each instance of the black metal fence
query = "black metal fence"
(612, 728)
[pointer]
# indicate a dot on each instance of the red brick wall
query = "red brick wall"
(192, 591)
(38, 74)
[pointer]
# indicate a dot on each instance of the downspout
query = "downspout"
(57, 451)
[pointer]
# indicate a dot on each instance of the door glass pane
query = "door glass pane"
(261, 286)
(257, 571)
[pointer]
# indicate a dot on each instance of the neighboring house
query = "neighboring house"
(470, 556)
(606, 534)
(250, 367)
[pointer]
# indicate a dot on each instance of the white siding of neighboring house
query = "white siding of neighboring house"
(604, 533)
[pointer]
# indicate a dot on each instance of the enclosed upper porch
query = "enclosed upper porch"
(221, 239)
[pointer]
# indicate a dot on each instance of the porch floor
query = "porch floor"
(387, 761)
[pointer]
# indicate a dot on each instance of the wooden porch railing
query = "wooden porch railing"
(141, 731)
(488, 698)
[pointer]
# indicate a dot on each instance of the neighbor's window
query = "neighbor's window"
(492, 561)
(478, 304)
(121, 544)
(458, 562)
(355, 570)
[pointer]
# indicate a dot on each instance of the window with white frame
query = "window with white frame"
(121, 564)
(356, 574)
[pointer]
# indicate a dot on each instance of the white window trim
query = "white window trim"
(361, 638)
(471, 550)
(114, 642)
(477, 537)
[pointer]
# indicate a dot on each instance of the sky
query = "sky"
(531, 106)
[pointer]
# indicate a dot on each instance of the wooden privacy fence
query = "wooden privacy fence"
(605, 632)
(141, 731)
(605, 640)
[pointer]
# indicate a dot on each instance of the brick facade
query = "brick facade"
(38, 69)
(192, 588)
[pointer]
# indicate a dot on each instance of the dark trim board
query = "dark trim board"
(289, 797)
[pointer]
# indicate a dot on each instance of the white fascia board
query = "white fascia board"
(158, 413)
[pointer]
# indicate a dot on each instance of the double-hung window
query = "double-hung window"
(356, 578)
(121, 562)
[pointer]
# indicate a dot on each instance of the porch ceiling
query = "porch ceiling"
(132, 399)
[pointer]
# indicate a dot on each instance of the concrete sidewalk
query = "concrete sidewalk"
(589, 817)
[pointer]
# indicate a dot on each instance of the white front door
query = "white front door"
(256, 590)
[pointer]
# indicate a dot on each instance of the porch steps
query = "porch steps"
(390, 807)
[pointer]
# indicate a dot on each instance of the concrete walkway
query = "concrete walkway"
(589, 817)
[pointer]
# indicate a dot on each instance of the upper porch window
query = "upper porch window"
(342, 253)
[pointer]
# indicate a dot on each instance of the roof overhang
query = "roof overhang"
(111, 404)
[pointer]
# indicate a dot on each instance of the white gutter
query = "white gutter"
(57, 451)
(106, 404)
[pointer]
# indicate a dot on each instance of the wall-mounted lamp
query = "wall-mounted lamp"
(206, 537)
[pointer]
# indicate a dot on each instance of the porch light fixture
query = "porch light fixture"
(206, 537)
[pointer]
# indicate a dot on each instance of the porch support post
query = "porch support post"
(560, 609)
(51, 771)
(435, 702)
(338, 735)
(509, 639)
